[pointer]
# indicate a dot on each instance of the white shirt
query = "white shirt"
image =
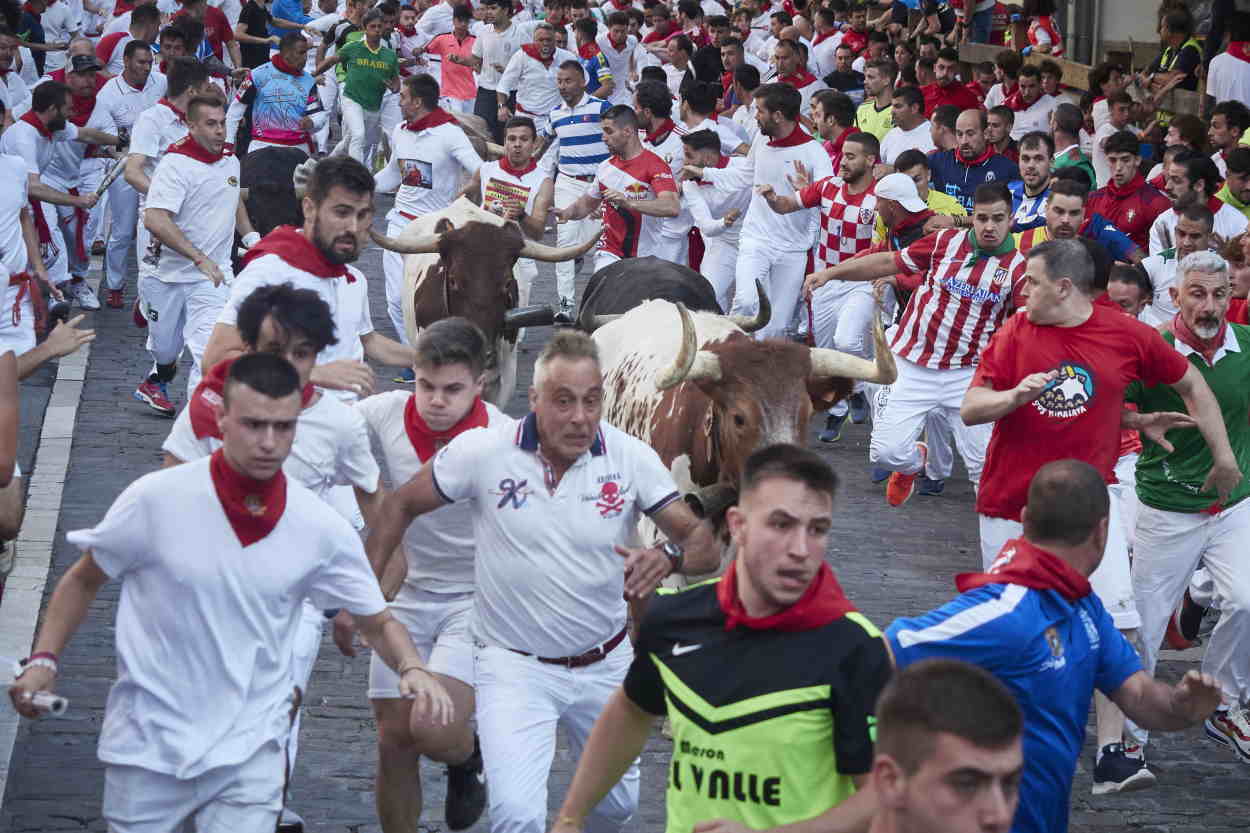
(14, 93)
(534, 83)
(773, 165)
(331, 448)
(1228, 78)
(153, 132)
(1162, 271)
(823, 57)
(60, 25)
(995, 96)
(731, 134)
(439, 546)
(709, 203)
(119, 105)
(436, 20)
(618, 64)
(1229, 222)
(549, 580)
(1034, 117)
(427, 167)
(203, 199)
(1220, 164)
(744, 117)
(898, 140)
(348, 298)
(501, 189)
(13, 198)
(1098, 156)
(206, 627)
(121, 23)
(676, 77)
(23, 140)
(495, 47)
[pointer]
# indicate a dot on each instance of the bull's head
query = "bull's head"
(763, 392)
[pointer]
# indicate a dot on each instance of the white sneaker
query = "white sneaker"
(78, 290)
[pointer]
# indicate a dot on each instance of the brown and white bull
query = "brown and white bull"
(459, 261)
(705, 395)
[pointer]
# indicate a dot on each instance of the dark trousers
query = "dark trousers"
(487, 106)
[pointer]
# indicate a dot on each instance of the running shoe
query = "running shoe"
(833, 428)
(404, 377)
(114, 299)
(930, 487)
(466, 791)
(566, 313)
(859, 408)
(156, 397)
(1231, 727)
(290, 822)
(880, 475)
(901, 486)
(1115, 771)
(78, 290)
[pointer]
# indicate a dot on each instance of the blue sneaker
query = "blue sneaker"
(833, 428)
(933, 488)
(404, 377)
(859, 408)
(880, 475)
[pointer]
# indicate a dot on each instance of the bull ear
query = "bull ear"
(826, 390)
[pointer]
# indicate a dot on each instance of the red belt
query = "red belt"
(592, 656)
(407, 216)
(28, 283)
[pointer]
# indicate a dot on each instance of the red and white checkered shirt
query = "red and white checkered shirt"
(960, 302)
(846, 220)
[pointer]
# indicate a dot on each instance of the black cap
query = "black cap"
(84, 63)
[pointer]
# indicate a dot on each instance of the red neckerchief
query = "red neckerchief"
(282, 66)
(660, 133)
(253, 507)
(1238, 312)
(531, 49)
(621, 5)
(188, 146)
(407, 31)
(834, 149)
(1214, 203)
(1240, 50)
(1100, 98)
(433, 118)
(972, 163)
(913, 220)
(1022, 563)
(121, 7)
(4, 73)
(424, 439)
(798, 79)
(163, 71)
(823, 602)
(210, 392)
(588, 50)
(80, 105)
(26, 7)
(1206, 347)
(1158, 182)
(796, 137)
(182, 117)
(824, 37)
(34, 121)
(290, 244)
(618, 46)
(507, 168)
(1134, 185)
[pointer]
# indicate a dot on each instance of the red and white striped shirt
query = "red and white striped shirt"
(961, 300)
(628, 233)
(846, 220)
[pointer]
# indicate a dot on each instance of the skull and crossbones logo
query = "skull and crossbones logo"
(611, 501)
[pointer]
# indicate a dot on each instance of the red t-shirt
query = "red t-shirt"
(1079, 414)
(936, 95)
(1131, 209)
(217, 29)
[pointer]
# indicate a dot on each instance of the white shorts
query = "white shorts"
(19, 337)
(439, 626)
(245, 798)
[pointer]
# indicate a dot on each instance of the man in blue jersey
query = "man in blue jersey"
(1028, 193)
(972, 162)
(1034, 622)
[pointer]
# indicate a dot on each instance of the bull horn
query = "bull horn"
(426, 245)
(495, 151)
(711, 501)
(826, 362)
(590, 323)
(677, 372)
(541, 315)
(751, 323)
(558, 254)
(244, 193)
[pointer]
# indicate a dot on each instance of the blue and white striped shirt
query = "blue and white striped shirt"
(579, 134)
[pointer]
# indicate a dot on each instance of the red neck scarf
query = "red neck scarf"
(253, 507)
(620, 6)
(34, 121)
(799, 79)
(1214, 203)
(618, 46)
(507, 168)
(1134, 185)
(1020, 562)
(972, 163)
(209, 393)
(181, 115)
(1207, 347)
(425, 440)
(823, 602)
(1238, 312)
(188, 146)
(531, 49)
(30, 10)
(796, 137)
(1240, 50)
(282, 66)
(821, 38)
(407, 31)
(433, 118)
(290, 244)
(660, 133)
(588, 50)
(4, 72)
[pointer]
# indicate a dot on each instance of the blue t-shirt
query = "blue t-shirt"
(1119, 244)
(1027, 212)
(950, 176)
(1052, 653)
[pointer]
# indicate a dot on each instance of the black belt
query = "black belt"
(592, 656)
(586, 178)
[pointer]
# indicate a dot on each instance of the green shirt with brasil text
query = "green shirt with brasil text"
(367, 72)
(768, 726)
(1173, 482)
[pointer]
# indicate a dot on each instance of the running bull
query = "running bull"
(459, 262)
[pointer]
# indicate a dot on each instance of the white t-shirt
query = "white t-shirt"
(1229, 222)
(427, 167)
(898, 140)
(203, 198)
(121, 23)
(23, 140)
(60, 25)
(1228, 78)
(119, 105)
(1034, 117)
(500, 188)
(153, 132)
(995, 96)
(14, 93)
(206, 627)
(533, 82)
(1098, 156)
(439, 546)
(495, 47)
(1162, 271)
(13, 198)
(549, 580)
(618, 64)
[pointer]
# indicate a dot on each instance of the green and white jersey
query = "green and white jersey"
(768, 726)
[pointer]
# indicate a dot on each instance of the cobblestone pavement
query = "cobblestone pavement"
(891, 562)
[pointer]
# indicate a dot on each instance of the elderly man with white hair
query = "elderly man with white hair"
(1179, 522)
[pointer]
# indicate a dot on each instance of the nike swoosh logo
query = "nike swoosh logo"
(678, 650)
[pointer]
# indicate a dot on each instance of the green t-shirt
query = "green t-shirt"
(1075, 159)
(871, 120)
(1173, 482)
(368, 72)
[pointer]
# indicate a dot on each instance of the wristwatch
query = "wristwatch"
(676, 557)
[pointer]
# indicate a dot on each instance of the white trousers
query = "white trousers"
(393, 270)
(123, 208)
(720, 263)
(456, 105)
(181, 315)
(1111, 581)
(567, 190)
(780, 272)
(842, 319)
(604, 259)
(329, 93)
(520, 703)
(1169, 546)
(524, 271)
(307, 646)
(245, 798)
(89, 175)
(915, 393)
(55, 258)
(18, 337)
(673, 249)
(1124, 493)
(361, 129)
